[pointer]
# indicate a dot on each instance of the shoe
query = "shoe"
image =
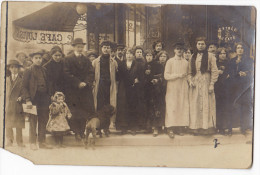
(243, 132)
(9, 144)
(44, 146)
(82, 136)
(33, 146)
(62, 146)
(222, 132)
(123, 132)
(77, 137)
(229, 133)
(133, 133)
(171, 134)
(155, 132)
(21, 145)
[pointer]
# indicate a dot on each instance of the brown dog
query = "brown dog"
(101, 120)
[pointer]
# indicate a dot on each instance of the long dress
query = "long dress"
(202, 103)
(58, 118)
(222, 100)
(177, 104)
(154, 95)
(130, 101)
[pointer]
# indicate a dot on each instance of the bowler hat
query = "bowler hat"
(21, 53)
(36, 53)
(120, 46)
(77, 41)
(14, 62)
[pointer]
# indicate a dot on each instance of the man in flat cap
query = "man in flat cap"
(120, 51)
(79, 77)
(105, 78)
(36, 92)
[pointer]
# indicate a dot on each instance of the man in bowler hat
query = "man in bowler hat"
(14, 113)
(79, 77)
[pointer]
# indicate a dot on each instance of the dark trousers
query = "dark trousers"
(103, 96)
(78, 125)
(41, 101)
(10, 135)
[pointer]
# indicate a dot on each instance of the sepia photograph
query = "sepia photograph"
(124, 84)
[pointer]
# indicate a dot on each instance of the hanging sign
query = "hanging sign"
(42, 37)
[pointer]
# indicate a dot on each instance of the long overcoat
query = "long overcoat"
(80, 101)
(14, 112)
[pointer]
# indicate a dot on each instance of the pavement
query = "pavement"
(145, 150)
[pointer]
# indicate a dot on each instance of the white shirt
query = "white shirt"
(14, 76)
(78, 54)
(129, 64)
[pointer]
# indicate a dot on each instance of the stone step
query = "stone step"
(141, 139)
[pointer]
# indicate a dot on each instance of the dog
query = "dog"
(101, 120)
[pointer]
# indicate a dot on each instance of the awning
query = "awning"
(53, 24)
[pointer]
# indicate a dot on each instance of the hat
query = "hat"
(120, 46)
(55, 49)
(14, 62)
(20, 53)
(213, 42)
(178, 44)
(36, 53)
(106, 43)
(77, 41)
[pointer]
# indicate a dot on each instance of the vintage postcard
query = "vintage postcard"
(119, 84)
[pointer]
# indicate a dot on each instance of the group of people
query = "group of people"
(149, 90)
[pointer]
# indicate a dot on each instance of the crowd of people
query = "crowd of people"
(199, 91)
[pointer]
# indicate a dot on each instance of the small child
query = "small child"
(59, 112)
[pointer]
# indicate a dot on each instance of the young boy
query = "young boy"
(36, 92)
(212, 48)
(14, 117)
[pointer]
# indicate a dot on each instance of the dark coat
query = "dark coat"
(30, 83)
(130, 97)
(14, 112)
(80, 101)
(241, 92)
(221, 94)
(55, 75)
(154, 95)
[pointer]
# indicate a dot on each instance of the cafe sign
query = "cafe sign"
(227, 33)
(42, 37)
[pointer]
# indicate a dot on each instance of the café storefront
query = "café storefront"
(135, 24)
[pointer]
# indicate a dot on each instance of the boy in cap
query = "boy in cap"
(79, 77)
(213, 47)
(14, 113)
(36, 92)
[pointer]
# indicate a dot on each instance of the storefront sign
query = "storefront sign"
(227, 33)
(42, 37)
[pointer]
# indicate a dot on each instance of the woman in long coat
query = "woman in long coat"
(130, 75)
(221, 91)
(55, 70)
(203, 73)
(14, 113)
(241, 74)
(177, 104)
